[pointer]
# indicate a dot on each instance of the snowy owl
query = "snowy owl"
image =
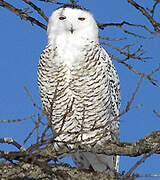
(79, 87)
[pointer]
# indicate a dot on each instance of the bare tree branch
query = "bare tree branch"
(39, 157)
(120, 25)
(141, 161)
(147, 76)
(152, 11)
(45, 172)
(11, 141)
(137, 54)
(155, 24)
(22, 14)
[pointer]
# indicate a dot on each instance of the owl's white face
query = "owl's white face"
(72, 22)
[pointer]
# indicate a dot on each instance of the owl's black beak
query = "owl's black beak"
(71, 29)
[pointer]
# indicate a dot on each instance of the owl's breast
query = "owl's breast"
(70, 49)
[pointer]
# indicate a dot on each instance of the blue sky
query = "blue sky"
(20, 48)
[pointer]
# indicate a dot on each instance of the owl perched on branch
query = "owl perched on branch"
(79, 87)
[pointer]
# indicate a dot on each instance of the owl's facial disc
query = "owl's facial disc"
(66, 22)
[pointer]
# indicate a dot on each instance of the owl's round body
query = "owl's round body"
(79, 86)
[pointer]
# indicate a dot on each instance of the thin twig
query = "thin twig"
(53, 2)
(29, 135)
(156, 113)
(31, 98)
(112, 39)
(18, 119)
(44, 133)
(146, 175)
(68, 110)
(36, 128)
(152, 11)
(39, 10)
(134, 34)
(132, 97)
(137, 54)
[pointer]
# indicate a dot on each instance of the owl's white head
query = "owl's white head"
(73, 22)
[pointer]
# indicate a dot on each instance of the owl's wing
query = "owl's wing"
(44, 77)
(113, 82)
(114, 85)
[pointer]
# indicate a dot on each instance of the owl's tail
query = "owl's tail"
(96, 162)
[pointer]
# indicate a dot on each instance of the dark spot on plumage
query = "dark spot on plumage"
(81, 157)
(91, 168)
(112, 81)
(99, 63)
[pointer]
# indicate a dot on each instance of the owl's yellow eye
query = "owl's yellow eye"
(62, 17)
(81, 18)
